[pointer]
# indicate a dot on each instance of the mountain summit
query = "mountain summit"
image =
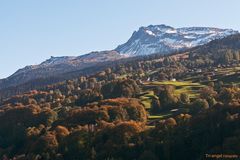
(160, 39)
(165, 39)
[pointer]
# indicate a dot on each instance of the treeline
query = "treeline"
(222, 51)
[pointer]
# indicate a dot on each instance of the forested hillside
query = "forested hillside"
(179, 106)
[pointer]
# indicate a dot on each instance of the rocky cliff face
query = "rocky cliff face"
(164, 39)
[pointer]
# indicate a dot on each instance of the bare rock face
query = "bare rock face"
(164, 39)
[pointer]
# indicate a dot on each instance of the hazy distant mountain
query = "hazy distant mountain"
(165, 39)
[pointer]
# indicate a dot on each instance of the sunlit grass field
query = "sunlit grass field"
(188, 87)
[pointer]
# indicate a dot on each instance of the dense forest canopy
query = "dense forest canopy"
(179, 106)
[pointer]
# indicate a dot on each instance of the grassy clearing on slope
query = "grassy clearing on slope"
(175, 83)
(146, 99)
(160, 116)
(188, 87)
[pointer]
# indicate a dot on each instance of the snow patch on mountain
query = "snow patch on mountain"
(150, 33)
(166, 39)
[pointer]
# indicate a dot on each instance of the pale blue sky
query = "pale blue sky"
(33, 30)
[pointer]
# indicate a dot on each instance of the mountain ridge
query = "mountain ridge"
(217, 52)
(58, 65)
(166, 39)
(146, 35)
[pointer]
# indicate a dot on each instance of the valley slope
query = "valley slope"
(150, 40)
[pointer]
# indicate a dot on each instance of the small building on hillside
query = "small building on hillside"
(199, 70)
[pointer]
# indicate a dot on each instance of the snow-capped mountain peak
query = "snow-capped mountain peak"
(161, 39)
(166, 39)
